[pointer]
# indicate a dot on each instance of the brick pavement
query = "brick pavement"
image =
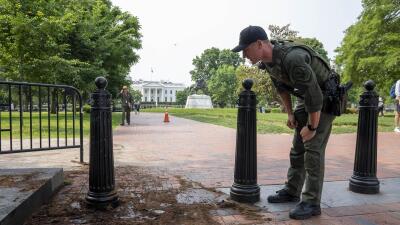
(205, 153)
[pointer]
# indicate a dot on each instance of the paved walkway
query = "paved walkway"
(205, 153)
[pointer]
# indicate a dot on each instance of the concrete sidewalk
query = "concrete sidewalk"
(341, 206)
(23, 191)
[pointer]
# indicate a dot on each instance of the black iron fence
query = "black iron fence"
(37, 117)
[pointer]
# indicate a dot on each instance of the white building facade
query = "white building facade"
(157, 91)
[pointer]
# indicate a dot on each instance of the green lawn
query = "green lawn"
(269, 122)
(53, 124)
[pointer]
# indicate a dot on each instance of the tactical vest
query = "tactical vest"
(277, 70)
(335, 94)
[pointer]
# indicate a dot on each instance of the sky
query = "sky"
(176, 31)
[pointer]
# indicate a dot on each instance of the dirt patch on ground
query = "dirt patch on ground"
(147, 196)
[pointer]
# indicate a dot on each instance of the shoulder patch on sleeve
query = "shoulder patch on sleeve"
(301, 74)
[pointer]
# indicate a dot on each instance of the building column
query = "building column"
(162, 95)
(156, 98)
(149, 94)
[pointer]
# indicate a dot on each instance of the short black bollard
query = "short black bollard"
(101, 165)
(245, 187)
(364, 178)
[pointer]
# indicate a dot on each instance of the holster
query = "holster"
(335, 95)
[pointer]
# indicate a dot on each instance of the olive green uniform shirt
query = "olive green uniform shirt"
(126, 99)
(301, 71)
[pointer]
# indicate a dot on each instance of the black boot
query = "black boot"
(304, 210)
(282, 196)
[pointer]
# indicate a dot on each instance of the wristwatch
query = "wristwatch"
(311, 128)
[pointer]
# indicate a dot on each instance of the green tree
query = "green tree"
(371, 46)
(262, 84)
(223, 85)
(285, 33)
(210, 60)
(181, 96)
(315, 44)
(107, 39)
(136, 95)
(354, 94)
(32, 41)
(67, 42)
(282, 33)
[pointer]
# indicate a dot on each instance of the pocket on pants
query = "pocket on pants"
(301, 117)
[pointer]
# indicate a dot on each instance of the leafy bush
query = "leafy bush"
(276, 110)
(86, 108)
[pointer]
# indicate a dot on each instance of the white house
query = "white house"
(157, 91)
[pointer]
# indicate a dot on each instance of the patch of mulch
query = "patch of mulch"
(146, 196)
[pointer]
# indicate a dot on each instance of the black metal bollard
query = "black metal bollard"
(101, 166)
(364, 178)
(245, 187)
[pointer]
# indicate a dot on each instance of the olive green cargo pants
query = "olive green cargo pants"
(126, 114)
(307, 160)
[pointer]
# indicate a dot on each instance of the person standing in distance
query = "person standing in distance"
(297, 71)
(126, 103)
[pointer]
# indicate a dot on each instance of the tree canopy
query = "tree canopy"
(371, 46)
(262, 83)
(181, 96)
(67, 42)
(286, 33)
(210, 60)
(223, 85)
(282, 33)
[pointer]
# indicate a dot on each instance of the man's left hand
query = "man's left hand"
(307, 134)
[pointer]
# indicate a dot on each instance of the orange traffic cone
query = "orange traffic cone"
(166, 117)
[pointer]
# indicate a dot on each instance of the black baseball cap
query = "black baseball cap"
(249, 35)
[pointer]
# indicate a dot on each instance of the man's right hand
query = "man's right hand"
(291, 122)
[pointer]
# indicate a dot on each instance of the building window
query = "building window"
(166, 92)
(158, 91)
(170, 92)
(151, 91)
(158, 99)
(145, 99)
(171, 99)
